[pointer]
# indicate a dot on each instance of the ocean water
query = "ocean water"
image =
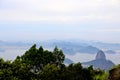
(11, 52)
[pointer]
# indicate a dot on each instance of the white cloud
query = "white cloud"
(110, 30)
(60, 10)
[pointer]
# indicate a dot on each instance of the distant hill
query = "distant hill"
(6, 43)
(81, 46)
(68, 61)
(69, 46)
(110, 52)
(101, 45)
(80, 49)
(100, 62)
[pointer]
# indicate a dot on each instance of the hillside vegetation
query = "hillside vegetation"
(40, 64)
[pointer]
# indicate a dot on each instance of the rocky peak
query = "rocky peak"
(100, 55)
(100, 62)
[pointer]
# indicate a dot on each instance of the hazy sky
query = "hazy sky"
(60, 19)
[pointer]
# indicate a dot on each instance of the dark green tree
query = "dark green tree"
(21, 70)
(50, 72)
(38, 58)
(33, 57)
(59, 56)
(5, 70)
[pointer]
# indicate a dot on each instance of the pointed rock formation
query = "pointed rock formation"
(100, 55)
(100, 62)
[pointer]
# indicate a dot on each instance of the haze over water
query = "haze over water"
(40, 20)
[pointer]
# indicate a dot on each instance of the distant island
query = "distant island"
(100, 62)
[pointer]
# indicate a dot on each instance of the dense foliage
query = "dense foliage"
(40, 64)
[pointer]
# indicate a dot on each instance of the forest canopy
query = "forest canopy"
(40, 64)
